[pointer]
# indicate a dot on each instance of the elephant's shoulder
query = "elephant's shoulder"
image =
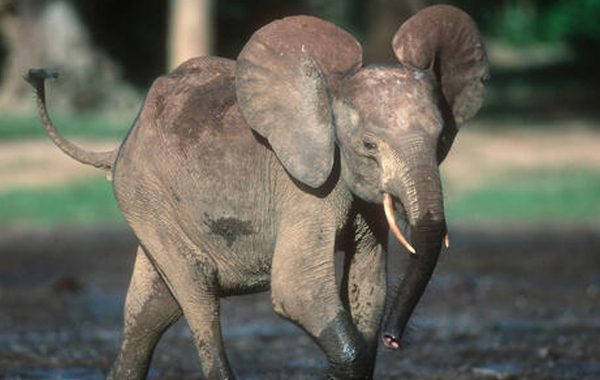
(198, 71)
(195, 84)
(196, 98)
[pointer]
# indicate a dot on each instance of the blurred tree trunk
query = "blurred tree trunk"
(190, 30)
(50, 34)
(17, 25)
(385, 17)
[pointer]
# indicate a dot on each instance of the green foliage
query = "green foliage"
(335, 11)
(551, 195)
(90, 125)
(86, 202)
(554, 195)
(524, 22)
(516, 22)
(573, 19)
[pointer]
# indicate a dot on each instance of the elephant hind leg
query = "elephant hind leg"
(149, 310)
(192, 278)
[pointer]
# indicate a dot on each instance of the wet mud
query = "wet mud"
(508, 303)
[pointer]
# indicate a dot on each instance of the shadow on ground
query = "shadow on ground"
(510, 303)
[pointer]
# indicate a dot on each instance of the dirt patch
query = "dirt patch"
(482, 155)
(39, 163)
(505, 303)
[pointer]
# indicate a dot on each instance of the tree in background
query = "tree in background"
(190, 30)
(49, 33)
(101, 45)
(95, 45)
(374, 22)
(385, 17)
(21, 45)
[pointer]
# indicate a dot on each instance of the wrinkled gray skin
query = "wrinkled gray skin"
(248, 176)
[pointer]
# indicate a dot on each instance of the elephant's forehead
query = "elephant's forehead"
(393, 97)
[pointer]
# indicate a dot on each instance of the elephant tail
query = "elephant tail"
(101, 160)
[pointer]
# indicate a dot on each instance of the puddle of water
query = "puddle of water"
(509, 370)
(262, 330)
(56, 374)
(497, 370)
(64, 336)
(564, 323)
(64, 374)
(579, 369)
(306, 364)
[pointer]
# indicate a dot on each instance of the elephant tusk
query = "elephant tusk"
(388, 208)
(447, 241)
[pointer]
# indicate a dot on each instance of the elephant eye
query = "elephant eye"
(370, 145)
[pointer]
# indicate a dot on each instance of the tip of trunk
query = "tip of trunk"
(390, 341)
(427, 238)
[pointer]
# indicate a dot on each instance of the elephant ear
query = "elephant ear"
(283, 78)
(445, 41)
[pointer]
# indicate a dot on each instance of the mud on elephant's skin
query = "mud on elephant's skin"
(247, 175)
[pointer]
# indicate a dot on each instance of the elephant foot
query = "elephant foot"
(359, 369)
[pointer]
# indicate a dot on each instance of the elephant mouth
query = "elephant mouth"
(388, 208)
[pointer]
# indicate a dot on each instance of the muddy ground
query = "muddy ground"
(513, 302)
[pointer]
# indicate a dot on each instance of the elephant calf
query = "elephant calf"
(244, 176)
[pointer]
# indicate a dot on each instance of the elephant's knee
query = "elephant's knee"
(279, 298)
(288, 301)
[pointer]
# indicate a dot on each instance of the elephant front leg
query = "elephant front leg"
(303, 290)
(364, 283)
(364, 288)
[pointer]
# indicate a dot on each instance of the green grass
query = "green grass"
(548, 196)
(88, 202)
(567, 195)
(89, 125)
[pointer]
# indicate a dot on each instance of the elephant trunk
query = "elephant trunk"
(420, 200)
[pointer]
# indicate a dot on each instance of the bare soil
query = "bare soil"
(519, 302)
(483, 151)
(506, 302)
(39, 163)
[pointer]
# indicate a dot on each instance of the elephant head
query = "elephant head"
(301, 85)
